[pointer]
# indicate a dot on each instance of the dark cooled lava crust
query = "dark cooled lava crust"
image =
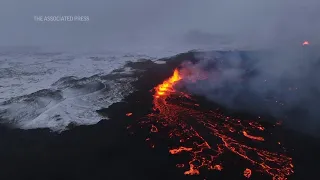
(108, 150)
(139, 105)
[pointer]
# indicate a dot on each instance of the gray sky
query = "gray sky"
(153, 21)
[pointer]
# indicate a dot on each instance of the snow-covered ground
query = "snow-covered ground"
(52, 90)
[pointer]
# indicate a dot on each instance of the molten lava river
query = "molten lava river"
(178, 117)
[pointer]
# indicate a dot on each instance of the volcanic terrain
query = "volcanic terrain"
(161, 131)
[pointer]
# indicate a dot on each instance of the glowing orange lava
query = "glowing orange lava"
(218, 167)
(247, 173)
(192, 170)
(180, 149)
(252, 137)
(154, 129)
(173, 112)
(166, 87)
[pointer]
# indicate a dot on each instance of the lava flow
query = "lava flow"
(178, 116)
(129, 114)
(247, 173)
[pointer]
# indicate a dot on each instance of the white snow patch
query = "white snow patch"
(160, 62)
(30, 98)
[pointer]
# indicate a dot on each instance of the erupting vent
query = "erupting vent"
(205, 136)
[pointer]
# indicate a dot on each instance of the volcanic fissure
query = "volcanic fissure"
(179, 118)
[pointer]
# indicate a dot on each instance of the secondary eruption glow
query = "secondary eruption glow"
(305, 43)
(179, 117)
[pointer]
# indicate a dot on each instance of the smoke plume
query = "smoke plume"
(282, 83)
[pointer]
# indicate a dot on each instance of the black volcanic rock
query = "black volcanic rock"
(108, 150)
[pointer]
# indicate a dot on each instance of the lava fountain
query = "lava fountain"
(206, 136)
(163, 90)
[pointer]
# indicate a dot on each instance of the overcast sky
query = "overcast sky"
(154, 21)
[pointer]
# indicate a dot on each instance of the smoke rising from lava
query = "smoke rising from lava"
(282, 83)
